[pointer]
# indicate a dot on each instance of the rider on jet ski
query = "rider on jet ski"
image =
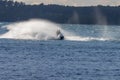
(59, 35)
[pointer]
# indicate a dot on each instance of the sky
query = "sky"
(74, 2)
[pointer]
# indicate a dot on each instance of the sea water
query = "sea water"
(89, 52)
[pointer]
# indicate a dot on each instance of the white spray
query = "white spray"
(40, 30)
(32, 29)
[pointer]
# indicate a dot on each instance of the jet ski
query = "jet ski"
(60, 36)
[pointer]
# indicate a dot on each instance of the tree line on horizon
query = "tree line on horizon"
(11, 11)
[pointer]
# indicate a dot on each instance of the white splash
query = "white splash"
(41, 30)
(32, 29)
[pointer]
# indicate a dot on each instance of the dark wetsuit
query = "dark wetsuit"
(61, 37)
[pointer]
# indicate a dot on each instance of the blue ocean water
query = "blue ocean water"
(97, 58)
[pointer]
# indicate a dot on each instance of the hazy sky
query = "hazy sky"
(74, 2)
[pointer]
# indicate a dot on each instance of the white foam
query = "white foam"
(79, 38)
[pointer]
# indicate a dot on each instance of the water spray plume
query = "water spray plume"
(40, 30)
(32, 29)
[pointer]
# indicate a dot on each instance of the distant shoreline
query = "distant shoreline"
(92, 15)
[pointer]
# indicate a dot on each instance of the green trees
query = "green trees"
(17, 11)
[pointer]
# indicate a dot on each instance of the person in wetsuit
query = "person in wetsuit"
(60, 35)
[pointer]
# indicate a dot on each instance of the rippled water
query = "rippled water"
(63, 59)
